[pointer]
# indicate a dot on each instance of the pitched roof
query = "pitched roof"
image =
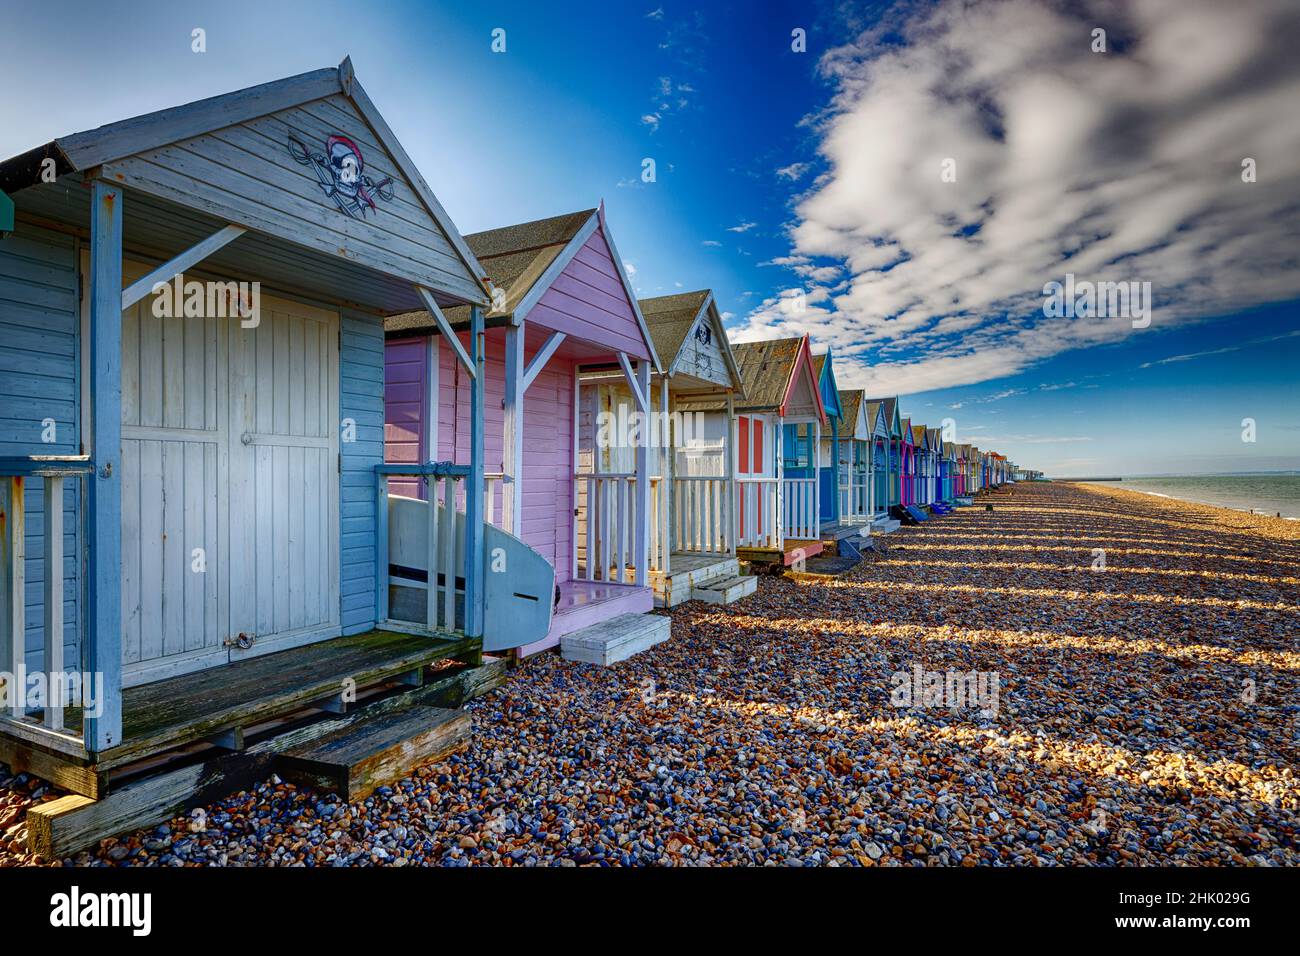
(891, 410)
(766, 369)
(918, 435)
(151, 131)
(514, 258)
(670, 318)
(873, 413)
(851, 402)
(820, 369)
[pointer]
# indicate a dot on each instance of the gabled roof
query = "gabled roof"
(769, 369)
(522, 261)
(892, 419)
(670, 319)
(141, 134)
(824, 369)
(920, 437)
(852, 408)
(907, 431)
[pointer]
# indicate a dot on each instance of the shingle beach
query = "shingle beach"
(1144, 653)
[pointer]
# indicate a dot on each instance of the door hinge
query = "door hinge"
(242, 640)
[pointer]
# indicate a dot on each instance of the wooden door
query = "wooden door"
(174, 503)
(284, 479)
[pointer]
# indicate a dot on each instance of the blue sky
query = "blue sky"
(782, 172)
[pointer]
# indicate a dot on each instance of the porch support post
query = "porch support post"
(643, 477)
(817, 478)
(835, 474)
(512, 501)
(729, 463)
(474, 564)
(102, 726)
(667, 475)
(13, 584)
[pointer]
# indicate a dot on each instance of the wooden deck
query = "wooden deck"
(215, 705)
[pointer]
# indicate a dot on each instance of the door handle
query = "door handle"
(246, 438)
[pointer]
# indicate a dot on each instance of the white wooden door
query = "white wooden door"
(174, 503)
(230, 485)
(284, 487)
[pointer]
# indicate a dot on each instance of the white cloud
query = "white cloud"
(651, 120)
(1125, 165)
(656, 14)
(794, 171)
(742, 227)
(629, 268)
(710, 242)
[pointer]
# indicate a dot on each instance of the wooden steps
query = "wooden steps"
(356, 761)
(725, 590)
(616, 639)
(63, 827)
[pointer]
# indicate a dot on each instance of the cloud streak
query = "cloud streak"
(1117, 166)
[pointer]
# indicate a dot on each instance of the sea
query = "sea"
(1270, 494)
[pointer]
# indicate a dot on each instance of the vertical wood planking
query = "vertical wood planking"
(53, 581)
(13, 566)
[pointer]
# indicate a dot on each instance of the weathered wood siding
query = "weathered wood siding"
(244, 173)
(361, 371)
(702, 360)
(406, 406)
(40, 378)
(588, 300)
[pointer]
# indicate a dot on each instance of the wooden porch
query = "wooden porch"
(222, 708)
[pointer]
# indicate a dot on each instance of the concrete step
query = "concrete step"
(355, 761)
(616, 639)
(725, 590)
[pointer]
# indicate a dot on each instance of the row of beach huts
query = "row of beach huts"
(289, 467)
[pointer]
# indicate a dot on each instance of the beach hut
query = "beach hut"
(692, 458)
(569, 476)
(935, 493)
(907, 465)
(778, 430)
(855, 440)
(885, 463)
(193, 546)
(921, 442)
(829, 446)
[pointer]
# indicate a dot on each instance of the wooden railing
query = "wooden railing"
(702, 515)
(15, 473)
(660, 545)
(799, 501)
(607, 507)
(494, 493)
(422, 548)
(757, 524)
(853, 495)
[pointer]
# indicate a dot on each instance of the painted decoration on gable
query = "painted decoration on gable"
(342, 174)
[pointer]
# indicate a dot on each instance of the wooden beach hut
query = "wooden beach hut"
(885, 463)
(692, 454)
(778, 430)
(561, 478)
(193, 555)
(829, 446)
(855, 441)
(921, 443)
(907, 465)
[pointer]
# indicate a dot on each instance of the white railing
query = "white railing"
(758, 524)
(423, 580)
(607, 527)
(854, 505)
(799, 500)
(702, 515)
(494, 498)
(17, 707)
(659, 543)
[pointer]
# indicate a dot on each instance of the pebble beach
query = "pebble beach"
(1143, 656)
